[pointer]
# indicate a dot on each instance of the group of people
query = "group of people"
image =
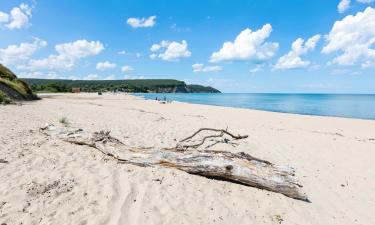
(164, 99)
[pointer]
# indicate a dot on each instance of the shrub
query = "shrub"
(4, 99)
(64, 121)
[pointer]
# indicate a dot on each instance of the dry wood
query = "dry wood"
(217, 130)
(3, 161)
(183, 146)
(234, 167)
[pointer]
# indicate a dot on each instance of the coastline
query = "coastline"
(333, 158)
(260, 110)
(334, 105)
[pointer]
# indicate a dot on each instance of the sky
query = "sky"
(252, 46)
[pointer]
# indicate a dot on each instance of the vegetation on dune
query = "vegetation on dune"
(134, 86)
(4, 98)
(64, 121)
(12, 88)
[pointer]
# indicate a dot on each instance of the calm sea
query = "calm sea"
(340, 105)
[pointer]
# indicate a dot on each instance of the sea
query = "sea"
(360, 106)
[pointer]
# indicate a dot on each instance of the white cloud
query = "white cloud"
(248, 45)
(257, 68)
(340, 72)
(343, 6)
(142, 22)
(198, 67)
(80, 48)
(4, 17)
(138, 55)
(354, 38)
(123, 52)
(292, 60)
(38, 74)
(91, 77)
(68, 55)
(173, 51)
(179, 29)
(155, 47)
(105, 65)
(52, 62)
(17, 18)
(127, 69)
(110, 77)
(17, 53)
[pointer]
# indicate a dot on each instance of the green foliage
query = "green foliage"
(18, 85)
(278, 219)
(4, 99)
(64, 121)
(201, 89)
(11, 84)
(53, 87)
(5, 73)
(134, 86)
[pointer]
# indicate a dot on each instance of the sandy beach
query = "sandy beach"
(44, 180)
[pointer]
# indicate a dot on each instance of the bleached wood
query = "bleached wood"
(240, 167)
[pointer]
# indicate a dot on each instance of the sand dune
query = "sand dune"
(47, 181)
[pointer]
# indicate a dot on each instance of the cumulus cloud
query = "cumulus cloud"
(105, 65)
(198, 67)
(68, 55)
(17, 18)
(127, 69)
(142, 22)
(248, 45)
(257, 68)
(155, 47)
(80, 48)
(292, 60)
(353, 38)
(4, 17)
(170, 51)
(345, 4)
(18, 53)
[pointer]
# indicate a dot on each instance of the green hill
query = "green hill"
(133, 86)
(12, 88)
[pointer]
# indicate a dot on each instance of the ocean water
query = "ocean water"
(339, 105)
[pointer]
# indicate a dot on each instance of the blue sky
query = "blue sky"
(334, 42)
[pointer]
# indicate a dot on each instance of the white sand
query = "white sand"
(48, 181)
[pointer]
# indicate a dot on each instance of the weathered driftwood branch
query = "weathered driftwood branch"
(234, 167)
(217, 130)
(182, 146)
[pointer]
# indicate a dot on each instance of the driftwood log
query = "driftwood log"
(239, 168)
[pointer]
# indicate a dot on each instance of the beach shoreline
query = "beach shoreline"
(333, 105)
(54, 182)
